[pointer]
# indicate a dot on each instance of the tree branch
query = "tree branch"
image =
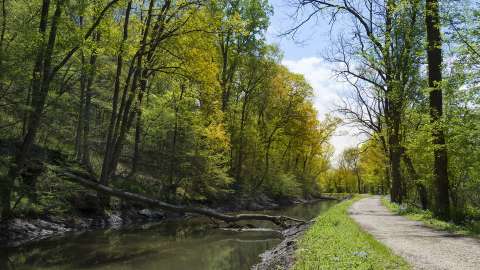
(72, 177)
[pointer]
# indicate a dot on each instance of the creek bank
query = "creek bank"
(282, 256)
(20, 231)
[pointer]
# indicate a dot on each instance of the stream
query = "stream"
(170, 245)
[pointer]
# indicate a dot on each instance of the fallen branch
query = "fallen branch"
(278, 220)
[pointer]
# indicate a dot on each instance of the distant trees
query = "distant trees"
(347, 173)
(351, 160)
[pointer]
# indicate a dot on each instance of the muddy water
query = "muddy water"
(172, 245)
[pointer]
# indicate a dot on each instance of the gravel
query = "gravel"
(422, 247)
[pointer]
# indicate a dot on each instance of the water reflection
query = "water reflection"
(172, 245)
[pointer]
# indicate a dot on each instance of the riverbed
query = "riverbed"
(193, 244)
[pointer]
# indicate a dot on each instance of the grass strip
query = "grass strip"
(336, 241)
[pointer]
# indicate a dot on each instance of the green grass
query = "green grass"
(427, 218)
(335, 241)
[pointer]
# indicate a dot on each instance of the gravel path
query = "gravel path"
(422, 247)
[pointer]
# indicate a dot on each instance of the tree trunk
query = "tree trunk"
(133, 104)
(173, 159)
(87, 109)
(359, 181)
(434, 59)
(40, 86)
(137, 143)
(267, 159)
(393, 119)
(81, 113)
(395, 173)
(240, 156)
(110, 141)
(79, 138)
(278, 220)
(224, 76)
(392, 111)
(421, 189)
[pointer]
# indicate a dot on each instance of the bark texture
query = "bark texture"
(434, 58)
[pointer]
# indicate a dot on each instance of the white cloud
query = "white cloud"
(328, 92)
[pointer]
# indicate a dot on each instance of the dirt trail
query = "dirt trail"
(422, 247)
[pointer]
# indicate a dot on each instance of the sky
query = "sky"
(303, 54)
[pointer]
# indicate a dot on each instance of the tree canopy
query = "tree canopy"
(184, 101)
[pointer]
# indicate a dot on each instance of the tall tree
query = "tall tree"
(379, 61)
(434, 58)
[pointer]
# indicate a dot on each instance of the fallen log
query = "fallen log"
(72, 177)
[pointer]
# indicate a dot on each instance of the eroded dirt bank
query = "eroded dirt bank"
(283, 255)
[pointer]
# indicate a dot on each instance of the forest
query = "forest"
(184, 105)
(187, 102)
(183, 101)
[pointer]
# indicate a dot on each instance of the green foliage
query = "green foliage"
(335, 241)
(284, 186)
(426, 217)
(219, 116)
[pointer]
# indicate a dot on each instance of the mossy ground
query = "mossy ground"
(335, 241)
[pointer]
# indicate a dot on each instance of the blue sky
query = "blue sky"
(311, 40)
(303, 54)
